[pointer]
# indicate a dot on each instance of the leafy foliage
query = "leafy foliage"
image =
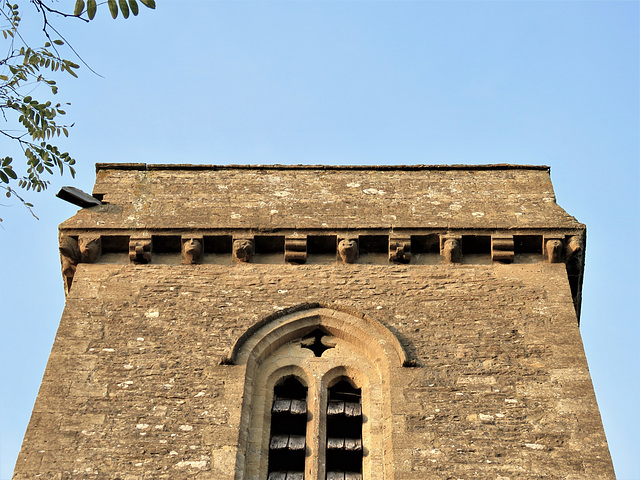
(34, 123)
(124, 5)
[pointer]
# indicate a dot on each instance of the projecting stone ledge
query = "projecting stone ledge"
(322, 197)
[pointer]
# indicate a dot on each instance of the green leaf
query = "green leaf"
(149, 3)
(79, 8)
(58, 42)
(113, 8)
(69, 67)
(124, 8)
(3, 177)
(134, 6)
(91, 9)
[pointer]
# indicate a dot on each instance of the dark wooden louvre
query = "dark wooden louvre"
(348, 409)
(344, 432)
(287, 440)
(344, 476)
(286, 476)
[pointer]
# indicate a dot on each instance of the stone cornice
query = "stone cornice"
(382, 168)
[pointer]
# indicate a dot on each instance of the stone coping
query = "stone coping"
(184, 166)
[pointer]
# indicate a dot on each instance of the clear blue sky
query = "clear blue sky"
(357, 82)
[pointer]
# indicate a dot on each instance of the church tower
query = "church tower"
(318, 322)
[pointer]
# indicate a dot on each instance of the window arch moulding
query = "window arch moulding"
(356, 348)
(286, 323)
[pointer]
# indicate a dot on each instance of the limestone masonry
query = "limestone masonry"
(319, 322)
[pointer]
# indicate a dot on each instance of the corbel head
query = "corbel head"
(554, 250)
(575, 254)
(243, 250)
(574, 246)
(452, 251)
(90, 247)
(69, 255)
(192, 250)
(451, 248)
(348, 250)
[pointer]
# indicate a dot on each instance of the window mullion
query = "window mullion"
(316, 434)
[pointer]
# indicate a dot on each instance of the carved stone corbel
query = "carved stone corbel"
(451, 248)
(295, 249)
(348, 249)
(574, 254)
(140, 248)
(70, 256)
(574, 246)
(243, 249)
(554, 248)
(502, 248)
(90, 248)
(400, 249)
(192, 250)
(574, 259)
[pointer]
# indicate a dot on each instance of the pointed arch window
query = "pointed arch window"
(314, 406)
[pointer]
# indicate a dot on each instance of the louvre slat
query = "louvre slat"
(297, 442)
(335, 475)
(281, 405)
(335, 407)
(352, 409)
(279, 442)
(298, 407)
(353, 444)
(335, 443)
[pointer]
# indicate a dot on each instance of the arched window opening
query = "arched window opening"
(344, 432)
(315, 406)
(287, 440)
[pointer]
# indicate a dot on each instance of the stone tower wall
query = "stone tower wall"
(141, 381)
(134, 383)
